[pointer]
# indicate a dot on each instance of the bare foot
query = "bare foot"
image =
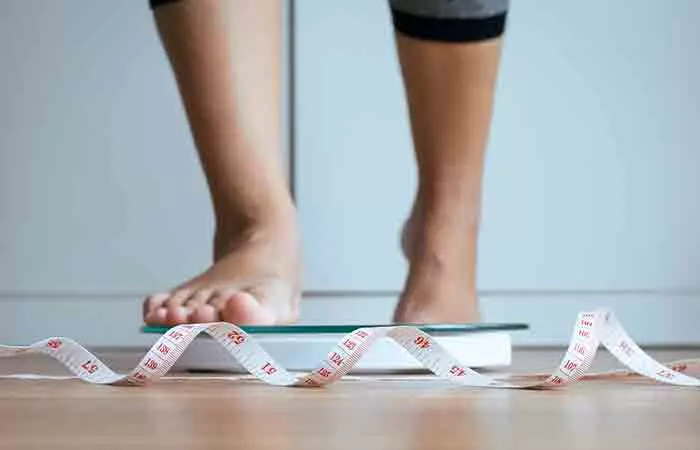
(255, 280)
(441, 249)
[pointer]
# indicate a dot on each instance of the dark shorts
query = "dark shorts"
(441, 20)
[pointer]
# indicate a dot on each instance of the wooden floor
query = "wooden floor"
(418, 414)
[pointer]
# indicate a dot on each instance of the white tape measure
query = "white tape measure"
(591, 330)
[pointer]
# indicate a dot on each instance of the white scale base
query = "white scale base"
(303, 352)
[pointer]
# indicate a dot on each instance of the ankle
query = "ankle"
(237, 218)
(458, 202)
(442, 224)
(236, 226)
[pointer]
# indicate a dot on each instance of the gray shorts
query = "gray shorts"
(441, 20)
(450, 20)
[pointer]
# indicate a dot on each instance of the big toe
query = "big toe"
(243, 309)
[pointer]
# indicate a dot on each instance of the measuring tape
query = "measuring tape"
(591, 330)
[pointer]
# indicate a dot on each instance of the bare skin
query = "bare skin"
(450, 90)
(226, 58)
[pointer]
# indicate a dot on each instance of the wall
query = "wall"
(592, 186)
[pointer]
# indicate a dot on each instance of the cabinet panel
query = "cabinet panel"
(100, 187)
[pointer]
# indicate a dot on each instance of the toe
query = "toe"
(197, 299)
(204, 314)
(219, 299)
(160, 315)
(153, 302)
(243, 309)
(176, 315)
(156, 317)
(177, 298)
(176, 312)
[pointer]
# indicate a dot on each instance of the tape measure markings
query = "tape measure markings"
(591, 330)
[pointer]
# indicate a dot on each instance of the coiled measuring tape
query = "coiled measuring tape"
(592, 329)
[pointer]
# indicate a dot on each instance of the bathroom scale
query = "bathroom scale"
(301, 347)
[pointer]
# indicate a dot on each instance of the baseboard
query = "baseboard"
(652, 319)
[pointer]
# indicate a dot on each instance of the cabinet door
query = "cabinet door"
(100, 188)
(592, 174)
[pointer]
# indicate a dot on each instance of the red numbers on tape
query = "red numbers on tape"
(350, 345)
(236, 337)
(346, 353)
(361, 334)
(336, 359)
(556, 380)
(151, 364)
(570, 366)
(665, 374)
(176, 335)
(626, 348)
(89, 367)
(139, 376)
(422, 342)
(269, 368)
(457, 371)
(680, 367)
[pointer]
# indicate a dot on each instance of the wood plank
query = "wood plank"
(424, 413)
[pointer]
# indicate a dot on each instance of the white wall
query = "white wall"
(592, 181)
